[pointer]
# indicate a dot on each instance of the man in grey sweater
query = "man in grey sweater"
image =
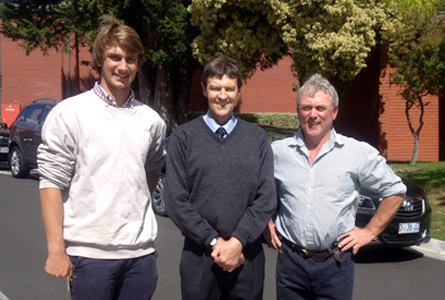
(220, 193)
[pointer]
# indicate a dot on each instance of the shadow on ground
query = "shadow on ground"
(381, 255)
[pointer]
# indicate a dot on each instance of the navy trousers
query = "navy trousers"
(299, 277)
(114, 279)
(202, 279)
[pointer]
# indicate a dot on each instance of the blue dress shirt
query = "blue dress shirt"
(318, 202)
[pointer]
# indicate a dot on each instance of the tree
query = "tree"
(330, 37)
(418, 59)
(247, 31)
(164, 27)
(335, 38)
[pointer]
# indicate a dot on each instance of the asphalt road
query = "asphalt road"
(380, 274)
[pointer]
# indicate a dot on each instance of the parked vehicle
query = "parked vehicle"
(4, 140)
(411, 226)
(25, 136)
(412, 223)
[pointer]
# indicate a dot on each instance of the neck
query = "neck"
(121, 95)
(221, 121)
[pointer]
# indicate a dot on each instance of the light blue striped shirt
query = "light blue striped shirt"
(318, 202)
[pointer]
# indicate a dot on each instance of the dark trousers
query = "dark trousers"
(299, 277)
(202, 279)
(114, 279)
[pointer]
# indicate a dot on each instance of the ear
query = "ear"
(335, 112)
(204, 90)
(238, 97)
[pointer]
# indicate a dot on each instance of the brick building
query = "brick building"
(372, 110)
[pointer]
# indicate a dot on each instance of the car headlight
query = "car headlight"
(366, 202)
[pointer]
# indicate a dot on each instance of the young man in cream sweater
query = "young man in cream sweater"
(101, 157)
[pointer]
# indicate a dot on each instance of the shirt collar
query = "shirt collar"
(110, 100)
(214, 126)
(334, 139)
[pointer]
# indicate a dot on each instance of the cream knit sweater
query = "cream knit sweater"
(99, 155)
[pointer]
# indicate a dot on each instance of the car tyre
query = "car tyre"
(17, 164)
(158, 198)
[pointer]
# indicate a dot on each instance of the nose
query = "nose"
(222, 93)
(122, 65)
(313, 113)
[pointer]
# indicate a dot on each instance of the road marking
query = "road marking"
(6, 173)
(3, 297)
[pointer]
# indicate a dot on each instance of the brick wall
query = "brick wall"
(270, 90)
(26, 78)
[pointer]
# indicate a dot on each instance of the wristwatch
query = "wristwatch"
(214, 241)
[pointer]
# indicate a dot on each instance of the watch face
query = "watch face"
(213, 242)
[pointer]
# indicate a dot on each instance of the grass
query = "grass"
(431, 177)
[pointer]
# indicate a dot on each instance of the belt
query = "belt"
(318, 254)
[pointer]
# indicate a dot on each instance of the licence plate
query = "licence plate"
(409, 227)
(4, 150)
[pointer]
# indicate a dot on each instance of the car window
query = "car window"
(45, 114)
(34, 115)
(22, 115)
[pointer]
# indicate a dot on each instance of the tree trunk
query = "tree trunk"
(416, 150)
(167, 92)
(415, 133)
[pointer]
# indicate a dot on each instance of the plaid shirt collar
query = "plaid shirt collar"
(110, 100)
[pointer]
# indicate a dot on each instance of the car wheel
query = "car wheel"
(17, 164)
(158, 198)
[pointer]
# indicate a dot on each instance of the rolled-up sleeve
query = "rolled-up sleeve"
(55, 155)
(156, 154)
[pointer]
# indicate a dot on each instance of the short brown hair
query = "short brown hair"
(114, 33)
(222, 66)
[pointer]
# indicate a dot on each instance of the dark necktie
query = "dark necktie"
(221, 132)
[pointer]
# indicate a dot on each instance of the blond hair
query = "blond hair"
(114, 33)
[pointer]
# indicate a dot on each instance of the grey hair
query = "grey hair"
(317, 83)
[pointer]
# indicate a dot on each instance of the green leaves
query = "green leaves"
(417, 56)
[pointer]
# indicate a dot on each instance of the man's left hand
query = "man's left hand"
(355, 239)
(228, 254)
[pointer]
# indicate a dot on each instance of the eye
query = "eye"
(131, 60)
(115, 58)
(214, 88)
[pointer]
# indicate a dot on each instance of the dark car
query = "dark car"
(411, 226)
(412, 223)
(4, 140)
(25, 136)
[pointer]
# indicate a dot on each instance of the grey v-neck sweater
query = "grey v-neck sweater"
(219, 186)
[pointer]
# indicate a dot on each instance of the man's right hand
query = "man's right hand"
(271, 235)
(59, 265)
